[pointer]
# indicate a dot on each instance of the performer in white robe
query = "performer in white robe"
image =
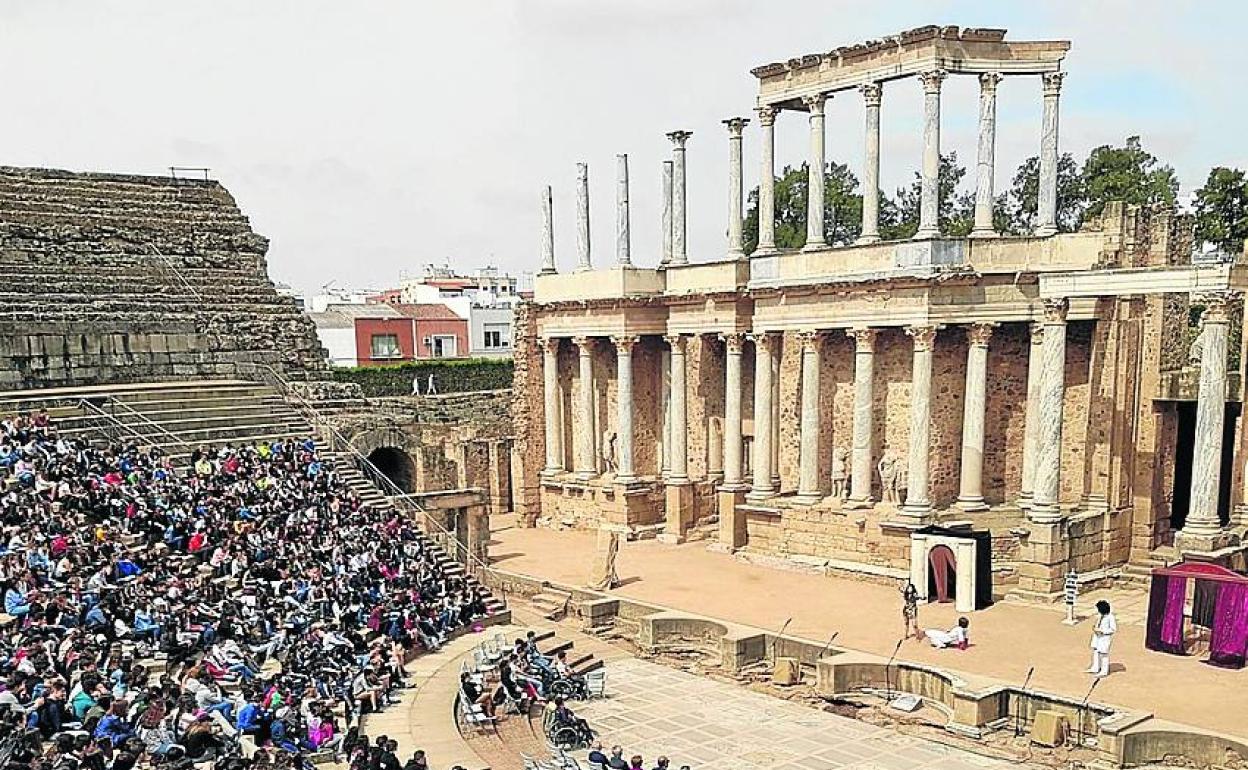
(954, 637)
(1102, 639)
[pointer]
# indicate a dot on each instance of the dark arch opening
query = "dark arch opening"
(396, 465)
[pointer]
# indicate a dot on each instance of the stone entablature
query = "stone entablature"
(911, 53)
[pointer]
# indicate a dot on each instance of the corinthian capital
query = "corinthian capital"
(551, 345)
(736, 126)
(814, 103)
(734, 342)
(932, 80)
(864, 339)
(809, 339)
(625, 343)
(980, 334)
(679, 138)
(1055, 309)
(1218, 306)
(872, 93)
(764, 342)
(988, 82)
(676, 341)
(924, 336)
(1052, 82)
(767, 115)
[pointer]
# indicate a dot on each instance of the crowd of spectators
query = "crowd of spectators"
(244, 612)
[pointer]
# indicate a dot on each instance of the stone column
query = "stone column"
(986, 165)
(971, 471)
(1031, 431)
(553, 407)
(736, 245)
(624, 408)
(623, 238)
(918, 496)
(929, 199)
(1047, 480)
(548, 233)
(1203, 530)
(762, 486)
(733, 346)
(666, 225)
(680, 419)
(814, 174)
(864, 372)
(585, 462)
(767, 183)
(1046, 210)
(680, 248)
(871, 96)
(808, 480)
(582, 217)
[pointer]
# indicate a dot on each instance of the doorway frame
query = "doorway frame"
(964, 554)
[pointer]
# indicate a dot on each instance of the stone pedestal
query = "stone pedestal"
(1043, 563)
(732, 531)
(680, 513)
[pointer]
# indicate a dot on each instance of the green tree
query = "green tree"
(842, 208)
(1222, 209)
(899, 216)
(1128, 173)
(1021, 202)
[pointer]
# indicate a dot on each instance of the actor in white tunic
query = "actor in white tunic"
(1102, 639)
(954, 637)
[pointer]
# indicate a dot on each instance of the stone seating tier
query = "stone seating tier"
(113, 278)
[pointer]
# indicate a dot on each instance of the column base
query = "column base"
(1046, 230)
(547, 271)
(764, 251)
(732, 530)
(735, 254)
(808, 498)
(988, 233)
(679, 499)
(1045, 513)
(627, 480)
(757, 494)
(861, 504)
(586, 475)
(867, 239)
(1202, 542)
(816, 246)
(971, 504)
(926, 234)
(920, 511)
(552, 472)
(1024, 501)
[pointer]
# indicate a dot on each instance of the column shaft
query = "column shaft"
(553, 408)
(808, 485)
(767, 183)
(1047, 481)
(918, 495)
(548, 232)
(814, 181)
(680, 247)
(586, 464)
(680, 419)
(732, 411)
(871, 95)
(624, 408)
(929, 198)
(584, 261)
(971, 470)
(986, 165)
(623, 238)
(1046, 213)
(1203, 529)
(666, 225)
(864, 373)
(1031, 431)
(762, 486)
(736, 191)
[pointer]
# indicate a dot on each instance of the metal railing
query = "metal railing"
(120, 406)
(434, 529)
(109, 421)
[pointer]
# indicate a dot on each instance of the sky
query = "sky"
(370, 138)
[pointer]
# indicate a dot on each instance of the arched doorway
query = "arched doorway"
(942, 574)
(396, 465)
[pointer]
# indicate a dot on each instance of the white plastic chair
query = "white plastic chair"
(596, 683)
(483, 666)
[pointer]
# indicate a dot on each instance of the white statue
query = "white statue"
(1196, 351)
(840, 473)
(890, 473)
(607, 452)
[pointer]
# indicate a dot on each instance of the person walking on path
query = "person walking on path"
(1102, 639)
(910, 610)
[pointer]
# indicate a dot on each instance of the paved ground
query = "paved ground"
(654, 710)
(1007, 638)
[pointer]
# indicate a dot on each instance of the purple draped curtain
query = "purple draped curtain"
(1167, 595)
(1228, 644)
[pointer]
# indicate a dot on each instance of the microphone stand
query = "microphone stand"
(1083, 710)
(827, 646)
(888, 679)
(776, 643)
(1023, 701)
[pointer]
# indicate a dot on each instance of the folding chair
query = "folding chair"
(596, 683)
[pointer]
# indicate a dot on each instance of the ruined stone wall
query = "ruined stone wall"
(1005, 413)
(112, 278)
(528, 415)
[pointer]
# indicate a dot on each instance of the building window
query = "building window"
(497, 336)
(386, 346)
(443, 346)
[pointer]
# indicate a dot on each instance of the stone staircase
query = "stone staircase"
(115, 278)
(1137, 575)
(551, 603)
